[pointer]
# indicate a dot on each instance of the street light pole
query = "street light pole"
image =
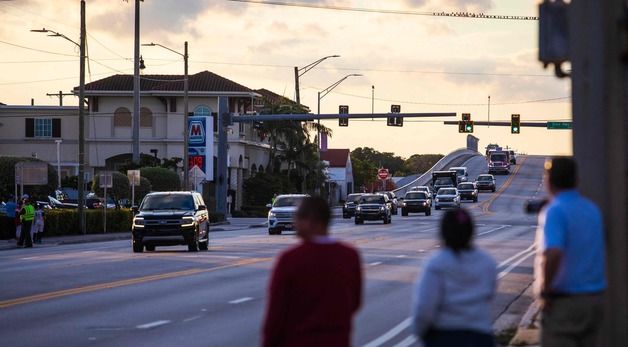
(58, 142)
(298, 72)
(186, 111)
(326, 91)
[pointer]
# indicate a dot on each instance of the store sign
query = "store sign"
(201, 144)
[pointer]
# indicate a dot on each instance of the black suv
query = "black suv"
(171, 218)
(373, 207)
(416, 202)
(348, 210)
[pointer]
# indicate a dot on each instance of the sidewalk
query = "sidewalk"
(229, 225)
(528, 331)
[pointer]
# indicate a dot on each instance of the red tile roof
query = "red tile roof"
(203, 81)
(336, 157)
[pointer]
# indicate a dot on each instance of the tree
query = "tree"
(394, 164)
(161, 179)
(421, 163)
(121, 188)
(259, 189)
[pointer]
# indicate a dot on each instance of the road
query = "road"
(101, 294)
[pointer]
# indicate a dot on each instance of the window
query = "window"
(42, 127)
(122, 117)
(202, 111)
(146, 118)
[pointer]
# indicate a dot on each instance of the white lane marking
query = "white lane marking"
(505, 262)
(241, 300)
(390, 334)
(375, 263)
(91, 338)
(153, 324)
(408, 341)
(30, 258)
(191, 318)
(494, 229)
(515, 264)
(401, 256)
(421, 251)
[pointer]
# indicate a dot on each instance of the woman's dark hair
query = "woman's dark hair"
(562, 172)
(457, 229)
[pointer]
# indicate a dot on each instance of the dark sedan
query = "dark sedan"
(485, 182)
(416, 202)
(468, 191)
(348, 209)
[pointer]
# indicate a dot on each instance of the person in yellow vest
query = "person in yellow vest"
(27, 215)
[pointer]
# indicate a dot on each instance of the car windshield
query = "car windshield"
(353, 197)
(287, 201)
(372, 199)
(168, 202)
(422, 189)
(416, 196)
(498, 157)
(484, 178)
(442, 181)
(466, 186)
(446, 191)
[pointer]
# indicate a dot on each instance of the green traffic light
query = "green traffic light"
(515, 130)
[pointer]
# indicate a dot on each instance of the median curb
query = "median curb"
(528, 331)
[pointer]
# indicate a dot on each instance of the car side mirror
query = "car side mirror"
(134, 210)
(401, 199)
(202, 208)
(269, 206)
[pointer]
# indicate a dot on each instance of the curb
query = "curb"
(528, 331)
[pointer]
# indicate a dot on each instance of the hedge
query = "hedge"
(162, 180)
(65, 221)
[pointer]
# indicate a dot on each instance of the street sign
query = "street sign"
(134, 177)
(383, 174)
(33, 173)
(105, 180)
(559, 125)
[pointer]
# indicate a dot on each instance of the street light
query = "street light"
(326, 91)
(58, 142)
(186, 169)
(298, 72)
(81, 121)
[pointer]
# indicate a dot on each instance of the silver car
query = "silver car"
(447, 197)
(282, 211)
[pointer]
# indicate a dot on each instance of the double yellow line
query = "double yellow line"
(122, 283)
(486, 205)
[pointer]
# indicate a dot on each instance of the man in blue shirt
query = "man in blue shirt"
(570, 266)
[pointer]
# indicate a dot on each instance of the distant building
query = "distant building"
(339, 172)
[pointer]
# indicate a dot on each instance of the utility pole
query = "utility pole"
(489, 111)
(297, 91)
(223, 152)
(186, 115)
(599, 58)
(81, 121)
(372, 99)
(324, 92)
(298, 72)
(136, 87)
(60, 95)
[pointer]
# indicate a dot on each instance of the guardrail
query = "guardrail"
(440, 165)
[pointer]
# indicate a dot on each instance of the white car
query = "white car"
(447, 197)
(282, 211)
(461, 173)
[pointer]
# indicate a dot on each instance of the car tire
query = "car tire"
(194, 245)
(150, 248)
(204, 245)
(404, 213)
(345, 216)
(138, 247)
(437, 207)
(475, 200)
(493, 190)
(359, 222)
(272, 231)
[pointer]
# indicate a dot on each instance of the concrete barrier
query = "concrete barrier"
(454, 158)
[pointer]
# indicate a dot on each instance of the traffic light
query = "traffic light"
(395, 121)
(515, 124)
(343, 122)
(466, 124)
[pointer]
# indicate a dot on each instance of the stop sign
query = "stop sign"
(382, 174)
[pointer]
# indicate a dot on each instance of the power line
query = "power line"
(458, 14)
(37, 49)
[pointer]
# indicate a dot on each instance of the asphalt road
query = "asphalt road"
(101, 294)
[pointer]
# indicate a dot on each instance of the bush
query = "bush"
(7, 178)
(144, 188)
(65, 221)
(161, 180)
(259, 189)
(121, 187)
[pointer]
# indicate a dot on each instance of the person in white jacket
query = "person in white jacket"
(453, 297)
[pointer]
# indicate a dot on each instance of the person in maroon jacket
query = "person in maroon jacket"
(316, 286)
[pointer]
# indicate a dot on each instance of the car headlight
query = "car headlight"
(271, 214)
(382, 209)
(138, 222)
(358, 209)
(187, 221)
(436, 199)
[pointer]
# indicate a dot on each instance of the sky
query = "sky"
(425, 64)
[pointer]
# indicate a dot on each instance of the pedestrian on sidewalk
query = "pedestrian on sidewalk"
(10, 218)
(27, 215)
(453, 297)
(38, 224)
(570, 263)
(316, 286)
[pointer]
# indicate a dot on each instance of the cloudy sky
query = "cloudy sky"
(426, 64)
